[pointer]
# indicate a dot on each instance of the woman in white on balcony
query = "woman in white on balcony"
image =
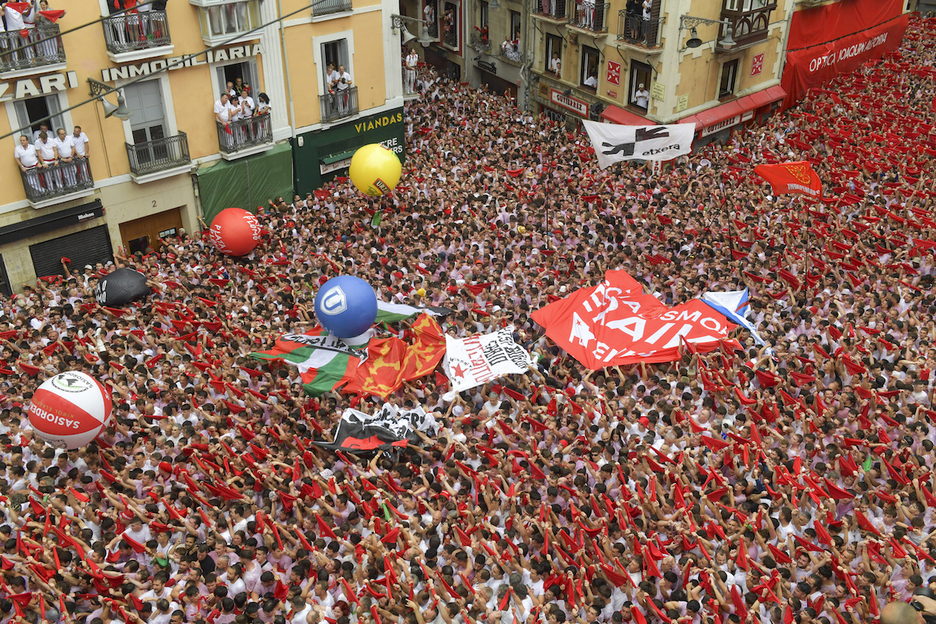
(16, 22)
(47, 49)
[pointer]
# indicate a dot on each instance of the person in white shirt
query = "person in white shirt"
(641, 96)
(80, 145)
(555, 65)
(43, 127)
(26, 154)
(65, 146)
(224, 112)
(412, 61)
(343, 84)
(591, 81)
(331, 77)
(48, 154)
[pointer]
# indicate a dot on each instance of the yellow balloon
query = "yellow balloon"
(375, 170)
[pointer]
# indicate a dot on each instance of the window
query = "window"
(335, 54)
(514, 26)
(450, 25)
(639, 90)
(148, 121)
(749, 19)
(729, 74)
(33, 109)
(237, 74)
(432, 18)
(589, 69)
(484, 15)
(553, 47)
(220, 21)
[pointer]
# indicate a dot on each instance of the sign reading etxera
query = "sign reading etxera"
(577, 106)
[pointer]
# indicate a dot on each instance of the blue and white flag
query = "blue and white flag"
(734, 305)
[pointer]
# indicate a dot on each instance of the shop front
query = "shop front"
(716, 124)
(320, 155)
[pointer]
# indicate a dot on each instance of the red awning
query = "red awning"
(734, 108)
(616, 114)
(764, 97)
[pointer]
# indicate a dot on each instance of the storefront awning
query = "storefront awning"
(332, 159)
(616, 114)
(764, 97)
(726, 112)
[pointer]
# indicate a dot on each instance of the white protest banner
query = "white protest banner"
(613, 143)
(476, 360)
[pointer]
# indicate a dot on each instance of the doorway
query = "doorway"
(146, 232)
(148, 121)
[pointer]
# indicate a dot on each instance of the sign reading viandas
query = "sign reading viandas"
(476, 360)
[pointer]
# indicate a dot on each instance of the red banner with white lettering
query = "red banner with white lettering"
(837, 38)
(614, 323)
(791, 177)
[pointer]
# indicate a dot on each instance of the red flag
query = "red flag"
(865, 524)
(791, 177)
(323, 528)
(52, 16)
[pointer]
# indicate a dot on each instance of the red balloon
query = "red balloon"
(234, 232)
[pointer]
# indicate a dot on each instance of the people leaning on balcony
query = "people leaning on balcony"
(26, 154)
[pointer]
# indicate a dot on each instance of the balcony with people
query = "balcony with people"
(640, 25)
(54, 169)
(132, 37)
(550, 10)
(590, 17)
(29, 51)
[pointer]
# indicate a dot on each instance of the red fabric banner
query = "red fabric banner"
(615, 323)
(790, 178)
(811, 67)
(827, 23)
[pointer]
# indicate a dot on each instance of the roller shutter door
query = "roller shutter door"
(85, 247)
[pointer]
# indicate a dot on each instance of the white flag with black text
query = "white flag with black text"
(613, 143)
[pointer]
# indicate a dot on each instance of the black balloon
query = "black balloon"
(121, 287)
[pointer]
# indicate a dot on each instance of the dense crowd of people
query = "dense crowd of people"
(784, 483)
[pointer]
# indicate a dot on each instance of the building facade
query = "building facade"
(171, 162)
(620, 61)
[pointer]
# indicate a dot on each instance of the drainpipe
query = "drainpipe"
(292, 107)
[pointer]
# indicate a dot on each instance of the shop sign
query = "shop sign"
(41, 85)
(577, 106)
(125, 72)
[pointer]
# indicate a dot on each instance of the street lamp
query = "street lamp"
(687, 22)
(120, 110)
(399, 22)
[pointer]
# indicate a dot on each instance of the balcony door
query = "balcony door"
(28, 112)
(148, 121)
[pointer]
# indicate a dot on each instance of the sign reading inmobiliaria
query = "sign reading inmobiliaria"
(478, 359)
(614, 323)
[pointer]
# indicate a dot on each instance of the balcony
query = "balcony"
(480, 43)
(244, 137)
(328, 7)
(221, 21)
(450, 38)
(511, 53)
(34, 56)
(433, 28)
(58, 183)
(162, 158)
(339, 104)
(748, 27)
(134, 37)
(589, 17)
(552, 10)
(635, 31)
